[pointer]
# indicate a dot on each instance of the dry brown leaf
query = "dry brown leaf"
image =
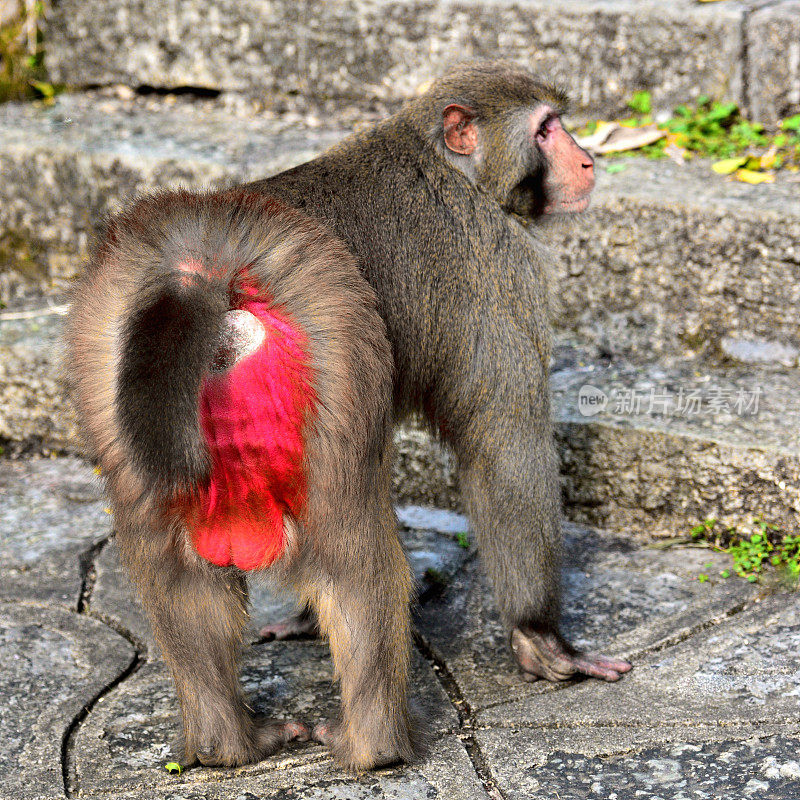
(602, 132)
(615, 138)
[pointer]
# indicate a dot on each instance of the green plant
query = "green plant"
(714, 130)
(641, 103)
(22, 74)
(463, 540)
(765, 544)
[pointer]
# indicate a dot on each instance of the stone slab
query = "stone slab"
(617, 600)
(644, 465)
(66, 167)
(446, 774)
(738, 674)
(54, 663)
(708, 764)
(53, 514)
(379, 51)
(673, 263)
(625, 467)
(713, 716)
(132, 732)
(670, 258)
(668, 444)
(33, 402)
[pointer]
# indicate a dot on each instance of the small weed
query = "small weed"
(463, 540)
(716, 130)
(641, 103)
(22, 73)
(764, 545)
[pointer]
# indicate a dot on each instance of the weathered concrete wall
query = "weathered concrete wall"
(380, 50)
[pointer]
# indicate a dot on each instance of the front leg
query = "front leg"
(512, 491)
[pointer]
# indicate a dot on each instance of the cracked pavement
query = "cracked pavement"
(709, 711)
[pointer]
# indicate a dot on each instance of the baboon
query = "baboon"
(442, 204)
(237, 367)
(233, 381)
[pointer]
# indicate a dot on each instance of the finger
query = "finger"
(296, 731)
(617, 664)
(274, 632)
(605, 668)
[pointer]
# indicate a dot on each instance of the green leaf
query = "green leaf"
(463, 540)
(792, 123)
(640, 102)
(45, 89)
(173, 767)
(726, 573)
(611, 169)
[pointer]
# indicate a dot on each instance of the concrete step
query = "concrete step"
(378, 51)
(657, 447)
(653, 448)
(671, 260)
(674, 266)
(662, 446)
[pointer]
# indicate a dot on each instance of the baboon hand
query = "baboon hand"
(544, 654)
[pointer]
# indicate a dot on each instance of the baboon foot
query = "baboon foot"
(546, 655)
(358, 753)
(302, 625)
(264, 737)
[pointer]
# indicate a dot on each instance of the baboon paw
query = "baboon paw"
(272, 733)
(265, 737)
(324, 733)
(296, 627)
(544, 654)
(358, 753)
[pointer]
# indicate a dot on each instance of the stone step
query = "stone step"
(672, 259)
(657, 447)
(662, 446)
(376, 51)
(712, 695)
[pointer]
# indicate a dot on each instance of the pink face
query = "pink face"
(569, 175)
(568, 169)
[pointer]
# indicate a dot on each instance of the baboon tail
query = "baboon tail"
(167, 345)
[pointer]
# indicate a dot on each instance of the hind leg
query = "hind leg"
(198, 613)
(359, 583)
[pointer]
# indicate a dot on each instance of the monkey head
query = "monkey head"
(502, 128)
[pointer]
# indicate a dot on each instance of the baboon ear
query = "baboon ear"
(460, 133)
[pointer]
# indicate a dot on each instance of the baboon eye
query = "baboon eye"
(544, 128)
